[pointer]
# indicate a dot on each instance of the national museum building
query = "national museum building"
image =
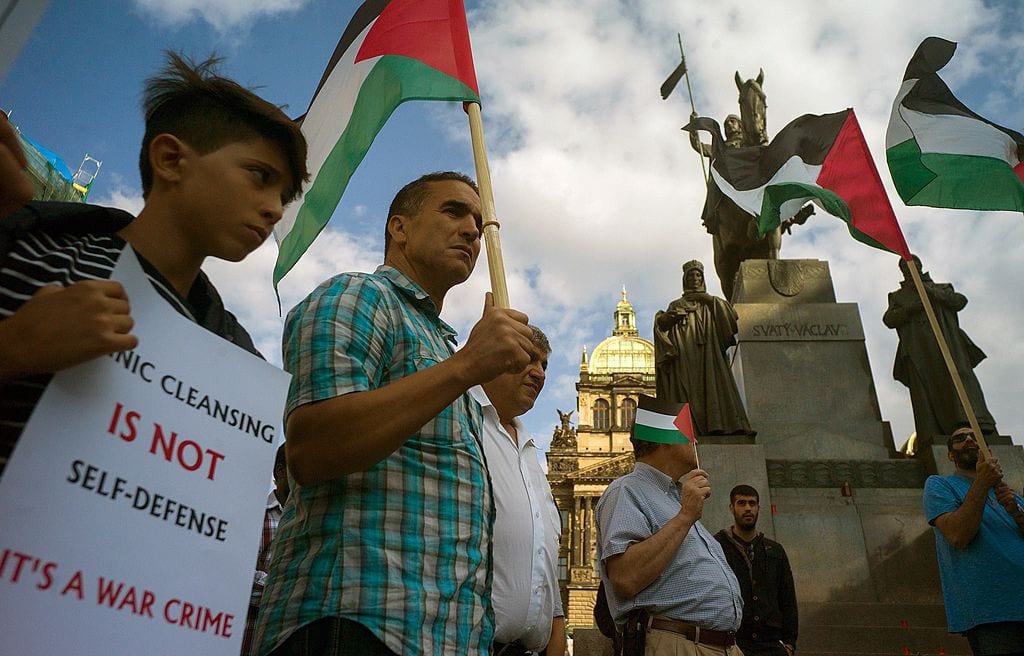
(584, 460)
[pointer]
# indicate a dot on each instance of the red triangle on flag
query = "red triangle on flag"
(684, 422)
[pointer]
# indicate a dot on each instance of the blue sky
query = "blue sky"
(595, 185)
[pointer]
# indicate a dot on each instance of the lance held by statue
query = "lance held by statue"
(690, 339)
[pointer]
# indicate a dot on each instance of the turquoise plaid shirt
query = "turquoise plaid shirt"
(405, 547)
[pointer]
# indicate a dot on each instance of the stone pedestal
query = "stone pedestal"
(802, 365)
(844, 503)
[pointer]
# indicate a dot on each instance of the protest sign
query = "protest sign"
(133, 504)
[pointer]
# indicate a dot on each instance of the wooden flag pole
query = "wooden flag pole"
(950, 365)
(693, 108)
(492, 242)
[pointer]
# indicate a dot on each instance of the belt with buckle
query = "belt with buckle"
(694, 633)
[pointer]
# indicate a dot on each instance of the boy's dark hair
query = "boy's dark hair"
(745, 491)
(410, 197)
(192, 102)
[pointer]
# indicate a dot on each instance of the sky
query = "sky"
(595, 185)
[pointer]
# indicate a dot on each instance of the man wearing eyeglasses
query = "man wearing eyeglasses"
(979, 541)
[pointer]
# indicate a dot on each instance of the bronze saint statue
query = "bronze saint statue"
(690, 339)
(733, 136)
(733, 230)
(919, 364)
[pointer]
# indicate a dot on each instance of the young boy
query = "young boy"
(218, 165)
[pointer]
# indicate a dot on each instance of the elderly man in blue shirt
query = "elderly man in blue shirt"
(666, 576)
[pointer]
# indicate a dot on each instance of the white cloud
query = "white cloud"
(220, 14)
(246, 286)
(122, 197)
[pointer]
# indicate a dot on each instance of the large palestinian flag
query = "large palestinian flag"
(392, 51)
(821, 159)
(940, 153)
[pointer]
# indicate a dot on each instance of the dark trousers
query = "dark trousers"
(332, 636)
(761, 648)
(997, 639)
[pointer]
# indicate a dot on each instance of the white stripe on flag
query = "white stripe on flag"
(959, 135)
(794, 170)
(327, 118)
(655, 420)
(898, 132)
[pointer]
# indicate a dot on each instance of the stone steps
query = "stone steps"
(873, 614)
(849, 628)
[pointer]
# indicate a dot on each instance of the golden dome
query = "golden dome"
(623, 355)
(624, 351)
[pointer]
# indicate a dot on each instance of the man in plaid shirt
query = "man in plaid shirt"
(275, 505)
(385, 548)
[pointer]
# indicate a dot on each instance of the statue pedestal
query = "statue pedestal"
(802, 366)
(842, 501)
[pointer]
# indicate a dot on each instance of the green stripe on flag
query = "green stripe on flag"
(777, 194)
(652, 426)
(659, 435)
(957, 181)
(910, 176)
(392, 81)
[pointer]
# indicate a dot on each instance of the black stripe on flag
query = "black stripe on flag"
(932, 96)
(809, 137)
(366, 14)
(932, 55)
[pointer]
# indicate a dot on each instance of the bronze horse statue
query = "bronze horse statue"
(734, 231)
(753, 109)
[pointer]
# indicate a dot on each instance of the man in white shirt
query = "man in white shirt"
(527, 604)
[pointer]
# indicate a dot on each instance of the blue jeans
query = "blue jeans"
(332, 636)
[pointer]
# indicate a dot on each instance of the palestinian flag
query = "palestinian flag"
(663, 422)
(392, 51)
(940, 153)
(821, 159)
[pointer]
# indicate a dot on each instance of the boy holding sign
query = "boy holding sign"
(218, 165)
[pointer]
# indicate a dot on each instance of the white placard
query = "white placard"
(132, 507)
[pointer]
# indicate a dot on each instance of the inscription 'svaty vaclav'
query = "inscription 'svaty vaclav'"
(793, 329)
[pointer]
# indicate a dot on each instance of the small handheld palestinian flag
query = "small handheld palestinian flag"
(392, 51)
(823, 159)
(940, 153)
(663, 422)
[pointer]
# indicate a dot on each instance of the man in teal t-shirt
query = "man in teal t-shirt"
(979, 537)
